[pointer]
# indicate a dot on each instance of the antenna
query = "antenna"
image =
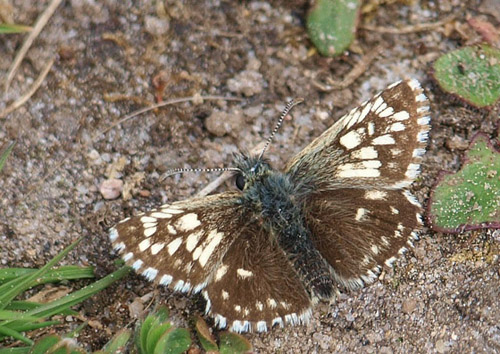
(175, 171)
(287, 109)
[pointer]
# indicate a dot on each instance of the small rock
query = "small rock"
(93, 154)
(221, 123)
(156, 26)
(456, 143)
(247, 82)
(409, 306)
(441, 346)
(111, 188)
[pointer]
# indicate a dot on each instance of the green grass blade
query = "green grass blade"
(32, 326)
(53, 275)
(5, 331)
(62, 304)
(7, 28)
(13, 315)
(9, 291)
(5, 154)
(28, 305)
(18, 350)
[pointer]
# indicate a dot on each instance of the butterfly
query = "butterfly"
(263, 255)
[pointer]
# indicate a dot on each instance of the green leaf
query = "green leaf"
(471, 73)
(233, 343)
(5, 154)
(174, 341)
(206, 339)
(331, 25)
(470, 198)
(44, 344)
(118, 343)
(154, 335)
(11, 28)
(143, 332)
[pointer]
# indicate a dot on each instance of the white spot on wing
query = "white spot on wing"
(148, 219)
(188, 222)
(113, 234)
(166, 279)
(350, 140)
(397, 127)
(150, 273)
(374, 249)
(207, 252)
(128, 256)
(261, 326)
(221, 271)
(173, 246)
(386, 139)
(402, 115)
(137, 264)
(149, 231)
(386, 112)
(360, 213)
(160, 215)
(157, 247)
(243, 273)
(144, 245)
(365, 153)
(192, 240)
(375, 195)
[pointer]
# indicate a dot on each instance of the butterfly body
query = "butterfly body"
(275, 200)
(340, 210)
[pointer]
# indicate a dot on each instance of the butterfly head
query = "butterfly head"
(250, 170)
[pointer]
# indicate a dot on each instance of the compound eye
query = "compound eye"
(240, 182)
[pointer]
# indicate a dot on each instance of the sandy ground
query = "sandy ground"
(110, 56)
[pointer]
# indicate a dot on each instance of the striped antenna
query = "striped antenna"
(182, 170)
(287, 109)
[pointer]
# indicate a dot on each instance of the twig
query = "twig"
(162, 104)
(409, 29)
(128, 117)
(356, 72)
(40, 24)
(22, 100)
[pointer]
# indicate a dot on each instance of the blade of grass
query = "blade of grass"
(18, 350)
(28, 305)
(15, 334)
(12, 315)
(12, 28)
(9, 291)
(5, 154)
(53, 275)
(69, 300)
(32, 326)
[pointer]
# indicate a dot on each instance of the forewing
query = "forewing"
(358, 231)
(180, 244)
(255, 287)
(378, 144)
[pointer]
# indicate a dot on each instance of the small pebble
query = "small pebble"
(111, 188)
(247, 82)
(156, 26)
